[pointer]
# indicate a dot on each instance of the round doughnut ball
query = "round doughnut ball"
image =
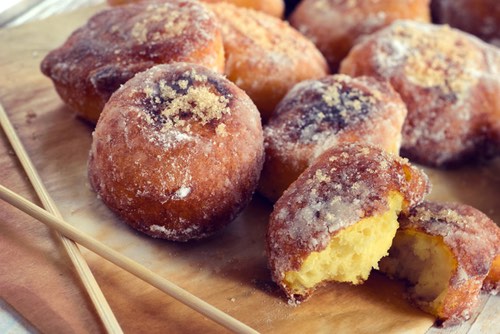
(449, 81)
(119, 42)
(271, 7)
(177, 152)
(444, 251)
(336, 25)
(338, 219)
(478, 17)
(265, 56)
(318, 114)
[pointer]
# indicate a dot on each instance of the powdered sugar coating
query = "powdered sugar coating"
(478, 17)
(345, 184)
(158, 161)
(318, 114)
(474, 241)
(449, 82)
(336, 25)
(265, 56)
(119, 42)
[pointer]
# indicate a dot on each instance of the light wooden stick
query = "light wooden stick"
(124, 262)
(94, 291)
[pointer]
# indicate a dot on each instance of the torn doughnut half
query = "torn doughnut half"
(445, 251)
(338, 219)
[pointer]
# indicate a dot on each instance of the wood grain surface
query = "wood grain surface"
(228, 270)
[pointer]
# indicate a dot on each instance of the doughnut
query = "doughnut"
(336, 25)
(338, 219)
(477, 17)
(177, 152)
(318, 114)
(271, 7)
(444, 251)
(265, 56)
(117, 43)
(449, 81)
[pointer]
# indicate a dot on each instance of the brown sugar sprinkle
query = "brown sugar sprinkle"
(324, 107)
(148, 24)
(350, 101)
(201, 102)
(188, 98)
(173, 21)
(432, 56)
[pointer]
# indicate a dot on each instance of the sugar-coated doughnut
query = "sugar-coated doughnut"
(177, 152)
(478, 17)
(318, 114)
(265, 56)
(338, 219)
(444, 251)
(449, 81)
(119, 42)
(271, 7)
(335, 25)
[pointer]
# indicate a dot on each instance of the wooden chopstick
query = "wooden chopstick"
(94, 291)
(124, 262)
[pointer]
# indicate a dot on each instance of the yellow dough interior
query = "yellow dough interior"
(494, 274)
(425, 262)
(352, 252)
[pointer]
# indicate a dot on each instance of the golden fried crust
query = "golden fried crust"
(177, 152)
(265, 56)
(478, 17)
(318, 114)
(491, 283)
(474, 241)
(449, 82)
(347, 183)
(272, 7)
(119, 42)
(336, 25)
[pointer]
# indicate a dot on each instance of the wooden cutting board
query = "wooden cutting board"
(228, 270)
